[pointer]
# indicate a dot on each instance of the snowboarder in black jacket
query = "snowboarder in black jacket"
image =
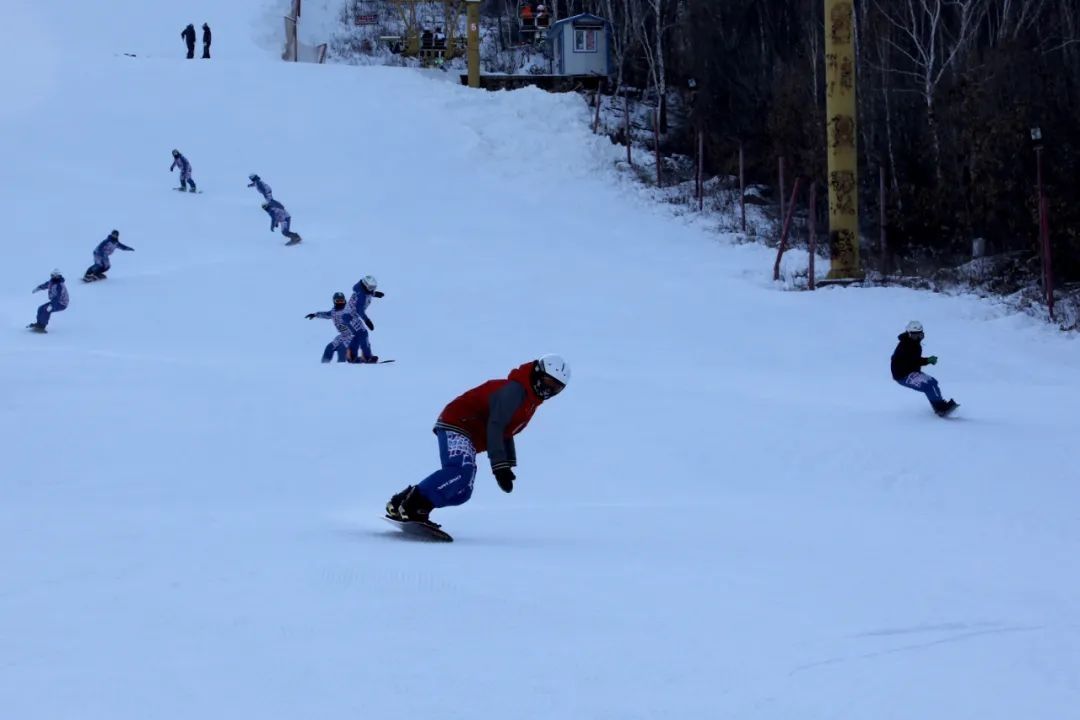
(189, 37)
(907, 365)
(205, 41)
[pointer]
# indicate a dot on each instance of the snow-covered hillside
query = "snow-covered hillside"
(731, 512)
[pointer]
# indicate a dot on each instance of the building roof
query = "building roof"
(582, 19)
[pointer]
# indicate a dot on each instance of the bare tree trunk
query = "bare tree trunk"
(886, 96)
(814, 48)
(935, 136)
(653, 43)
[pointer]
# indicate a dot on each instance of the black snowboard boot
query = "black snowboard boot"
(410, 505)
(943, 407)
(394, 503)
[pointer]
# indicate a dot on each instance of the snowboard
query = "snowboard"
(190, 192)
(377, 362)
(91, 279)
(426, 530)
(32, 327)
(294, 240)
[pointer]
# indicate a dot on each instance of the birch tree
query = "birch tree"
(931, 35)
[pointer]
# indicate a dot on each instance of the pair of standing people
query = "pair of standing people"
(352, 323)
(189, 38)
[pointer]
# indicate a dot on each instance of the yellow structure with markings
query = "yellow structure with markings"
(843, 153)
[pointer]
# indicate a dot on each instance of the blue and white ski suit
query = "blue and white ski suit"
(263, 188)
(58, 300)
(102, 252)
(342, 320)
(278, 215)
(361, 323)
(179, 161)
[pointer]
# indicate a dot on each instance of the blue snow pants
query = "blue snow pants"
(360, 342)
(101, 265)
(45, 311)
(338, 345)
(925, 384)
(185, 179)
(453, 483)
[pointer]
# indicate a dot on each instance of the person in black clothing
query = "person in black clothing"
(189, 37)
(907, 365)
(205, 41)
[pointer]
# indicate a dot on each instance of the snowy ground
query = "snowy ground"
(732, 512)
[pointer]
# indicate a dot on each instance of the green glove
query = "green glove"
(932, 360)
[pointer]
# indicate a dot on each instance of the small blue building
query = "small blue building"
(581, 45)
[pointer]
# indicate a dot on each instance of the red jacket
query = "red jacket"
(491, 414)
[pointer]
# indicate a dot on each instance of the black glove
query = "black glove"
(505, 477)
(310, 316)
(370, 325)
(379, 293)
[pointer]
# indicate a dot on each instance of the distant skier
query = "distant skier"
(205, 41)
(360, 346)
(486, 417)
(58, 300)
(342, 320)
(179, 161)
(907, 364)
(189, 37)
(101, 256)
(280, 216)
(260, 186)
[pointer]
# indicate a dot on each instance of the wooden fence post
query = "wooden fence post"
(656, 141)
(787, 227)
(812, 241)
(742, 187)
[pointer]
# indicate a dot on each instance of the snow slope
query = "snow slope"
(732, 512)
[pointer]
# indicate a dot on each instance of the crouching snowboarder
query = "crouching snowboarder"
(101, 256)
(342, 319)
(360, 346)
(179, 161)
(280, 216)
(58, 300)
(486, 417)
(907, 364)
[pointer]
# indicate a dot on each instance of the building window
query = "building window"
(585, 40)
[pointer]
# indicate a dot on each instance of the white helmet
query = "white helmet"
(914, 327)
(55, 274)
(369, 283)
(550, 375)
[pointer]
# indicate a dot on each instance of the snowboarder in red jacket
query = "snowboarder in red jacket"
(485, 418)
